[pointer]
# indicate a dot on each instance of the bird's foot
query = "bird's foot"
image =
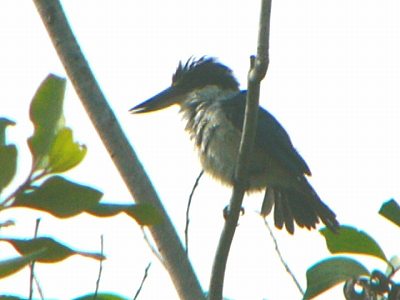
(226, 212)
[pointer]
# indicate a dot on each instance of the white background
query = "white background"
(333, 82)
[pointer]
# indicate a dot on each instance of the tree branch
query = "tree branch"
(285, 265)
(258, 69)
(146, 271)
(96, 291)
(188, 211)
(116, 143)
(32, 266)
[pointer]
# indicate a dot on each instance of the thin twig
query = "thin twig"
(27, 184)
(38, 287)
(196, 183)
(258, 69)
(100, 267)
(152, 248)
(281, 257)
(118, 146)
(143, 280)
(32, 266)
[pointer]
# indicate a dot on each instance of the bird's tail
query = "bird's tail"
(306, 209)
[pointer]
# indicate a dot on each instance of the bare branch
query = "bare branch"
(188, 211)
(146, 271)
(32, 277)
(281, 257)
(258, 69)
(100, 267)
(38, 287)
(117, 145)
(152, 248)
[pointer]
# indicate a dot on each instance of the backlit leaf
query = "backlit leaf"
(8, 156)
(144, 214)
(329, 272)
(64, 152)
(60, 197)
(51, 251)
(391, 211)
(352, 240)
(8, 164)
(46, 116)
(4, 123)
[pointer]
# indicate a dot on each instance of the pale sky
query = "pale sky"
(333, 82)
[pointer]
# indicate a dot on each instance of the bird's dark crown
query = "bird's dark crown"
(196, 74)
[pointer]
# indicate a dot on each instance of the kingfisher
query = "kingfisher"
(213, 107)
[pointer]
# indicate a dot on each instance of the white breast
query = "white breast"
(216, 138)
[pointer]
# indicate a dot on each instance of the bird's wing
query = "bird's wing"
(270, 134)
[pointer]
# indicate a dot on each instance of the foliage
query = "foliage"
(359, 282)
(54, 151)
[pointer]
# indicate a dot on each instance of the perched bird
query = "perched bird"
(213, 106)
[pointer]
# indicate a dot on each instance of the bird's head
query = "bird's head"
(192, 76)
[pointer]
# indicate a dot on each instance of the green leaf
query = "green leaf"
(8, 156)
(59, 197)
(144, 214)
(101, 296)
(391, 211)
(8, 163)
(51, 251)
(47, 117)
(329, 272)
(351, 240)
(4, 123)
(64, 152)
(10, 266)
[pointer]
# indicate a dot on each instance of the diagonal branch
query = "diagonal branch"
(278, 252)
(146, 272)
(258, 69)
(196, 183)
(96, 291)
(117, 145)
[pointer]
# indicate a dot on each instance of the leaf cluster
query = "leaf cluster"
(360, 283)
(53, 151)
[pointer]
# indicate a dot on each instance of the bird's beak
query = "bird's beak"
(166, 98)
